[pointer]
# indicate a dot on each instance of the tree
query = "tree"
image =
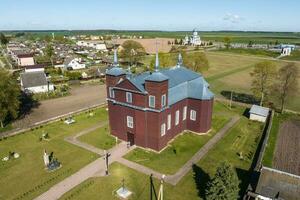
(3, 40)
(263, 76)
(196, 61)
(49, 51)
(224, 185)
(9, 96)
(165, 60)
(286, 83)
(132, 51)
(227, 42)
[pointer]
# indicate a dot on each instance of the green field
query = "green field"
(236, 36)
(25, 177)
(256, 52)
(231, 72)
(99, 138)
(242, 139)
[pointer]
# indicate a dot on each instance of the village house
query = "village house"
(35, 82)
(98, 45)
(152, 108)
(74, 63)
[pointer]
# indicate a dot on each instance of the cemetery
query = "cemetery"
(23, 159)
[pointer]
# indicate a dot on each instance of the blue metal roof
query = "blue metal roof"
(183, 83)
(116, 71)
(157, 77)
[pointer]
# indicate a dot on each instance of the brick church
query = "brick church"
(151, 108)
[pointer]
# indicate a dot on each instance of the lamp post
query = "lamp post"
(106, 156)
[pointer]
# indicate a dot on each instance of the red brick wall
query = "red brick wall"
(157, 89)
(147, 125)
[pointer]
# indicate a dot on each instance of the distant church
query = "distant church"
(193, 40)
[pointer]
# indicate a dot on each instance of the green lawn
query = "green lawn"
(182, 148)
(256, 52)
(99, 138)
(243, 137)
(231, 72)
(270, 148)
(25, 177)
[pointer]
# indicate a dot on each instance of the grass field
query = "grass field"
(236, 36)
(25, 177)
(242, 138)
(231, 72)
(256, 52)
(99, 138)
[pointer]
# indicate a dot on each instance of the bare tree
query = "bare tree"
(263, 75)
(286, 84)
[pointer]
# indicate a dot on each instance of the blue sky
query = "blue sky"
(204, 15)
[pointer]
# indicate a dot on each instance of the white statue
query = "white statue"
(46, 158)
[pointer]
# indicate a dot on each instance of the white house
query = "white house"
(35, 82)
(25, 59)
(74, 63)
(98, 45)
(259, 113)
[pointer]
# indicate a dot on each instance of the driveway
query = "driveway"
(81, 97)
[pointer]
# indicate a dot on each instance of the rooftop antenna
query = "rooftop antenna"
(156, 58)
(180, 61)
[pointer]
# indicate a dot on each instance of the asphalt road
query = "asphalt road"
(81, 97)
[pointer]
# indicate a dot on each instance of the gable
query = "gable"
(126, 84)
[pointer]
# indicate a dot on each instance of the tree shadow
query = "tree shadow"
(240, 97)
(244, 176)
(201, 179)
(27, 103)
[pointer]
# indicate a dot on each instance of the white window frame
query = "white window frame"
(111, 92)
(150, 105)
(163, 100)
(163, 129)
(128, 97)
(169, 122)
(184, 113)
(177, 113)
(129, 121)
(193, 115)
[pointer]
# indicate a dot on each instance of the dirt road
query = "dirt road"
(81, 97)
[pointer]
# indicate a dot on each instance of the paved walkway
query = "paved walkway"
(73, 139)
(175, 178)
(97, 168)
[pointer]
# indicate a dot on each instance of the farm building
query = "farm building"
(35, 82)
(259, 113)
(150, 109)
(276, 184)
